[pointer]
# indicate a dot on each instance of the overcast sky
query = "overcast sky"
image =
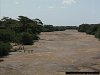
(56, 12)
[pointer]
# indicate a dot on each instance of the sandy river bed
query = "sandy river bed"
(54, 54)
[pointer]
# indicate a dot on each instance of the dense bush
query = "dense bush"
(6, 35)
(22, 30)
(48, 28)
(63, 28)
(92, 29)
(4, 49)
(83, 27)
(59, 28)
(97, 34)
(51, 28)
(26, 38)
(35, 37)
(11, 30)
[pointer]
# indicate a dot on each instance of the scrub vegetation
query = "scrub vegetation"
(24, 31)
(92, 29)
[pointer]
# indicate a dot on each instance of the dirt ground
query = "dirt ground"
(54, 54)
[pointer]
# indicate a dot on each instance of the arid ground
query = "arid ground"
(54, 54)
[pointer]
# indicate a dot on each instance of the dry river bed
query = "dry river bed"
(54, 54)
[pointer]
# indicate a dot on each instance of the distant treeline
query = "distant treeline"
(63, 28)
(51, 28)
(92, 29)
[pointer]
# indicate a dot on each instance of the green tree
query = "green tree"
(83, 27)
(26, 39)
(92, 29)
(97, 34)
(9, 22)
(48, 28)
(26, 23)
(39, 22)
(7, 35)
(4, 49)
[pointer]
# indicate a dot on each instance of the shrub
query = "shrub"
(26, 39)
(6, 35)
(92, 29)
(97, 34)
(35, 37)
(83, 27)
(4, 49)
(48, 28)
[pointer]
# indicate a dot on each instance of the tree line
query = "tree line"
(51, 28)
(24, 31)
(92, 29)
